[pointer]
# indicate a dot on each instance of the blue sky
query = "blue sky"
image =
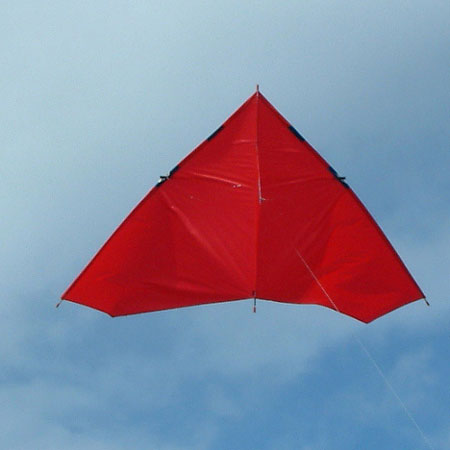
(99, 99)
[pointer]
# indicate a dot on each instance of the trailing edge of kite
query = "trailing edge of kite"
(253, 212)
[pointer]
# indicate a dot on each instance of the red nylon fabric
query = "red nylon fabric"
(253, 211)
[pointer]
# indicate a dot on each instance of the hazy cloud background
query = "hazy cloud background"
(100, 98)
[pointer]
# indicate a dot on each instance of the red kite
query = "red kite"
(253, 212)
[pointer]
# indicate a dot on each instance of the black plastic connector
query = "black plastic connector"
(215, 132)
(340, 179)
(173, 170)
(164, 178)
(296, 133)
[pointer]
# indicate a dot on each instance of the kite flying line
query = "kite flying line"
(371, 358)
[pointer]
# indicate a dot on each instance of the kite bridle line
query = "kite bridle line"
(371, 358)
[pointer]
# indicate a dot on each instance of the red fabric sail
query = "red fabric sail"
(253, 212)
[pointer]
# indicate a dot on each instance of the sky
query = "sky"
(100, 98)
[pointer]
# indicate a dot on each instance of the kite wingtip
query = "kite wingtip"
(257, 88)
(426, 301)
(57, 305)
